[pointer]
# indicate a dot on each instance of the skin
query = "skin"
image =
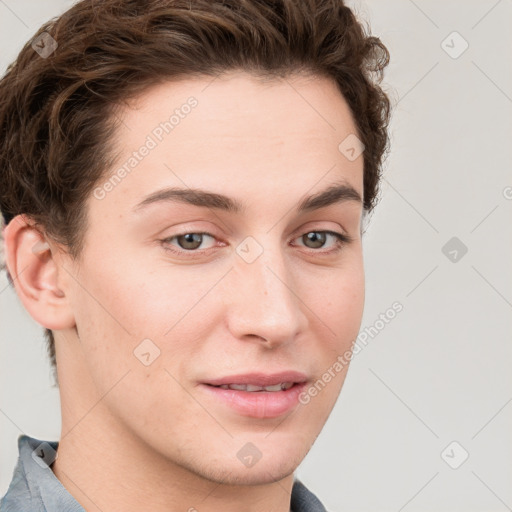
(138, 437)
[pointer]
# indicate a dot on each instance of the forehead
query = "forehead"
(235, 134)
(245, 102)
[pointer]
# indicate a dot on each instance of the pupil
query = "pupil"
(190, 240)
(318, 239)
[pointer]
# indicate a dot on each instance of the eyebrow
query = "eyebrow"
(334, 194)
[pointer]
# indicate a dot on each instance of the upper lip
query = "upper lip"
(260, 379)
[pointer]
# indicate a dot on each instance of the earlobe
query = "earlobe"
(33, 265)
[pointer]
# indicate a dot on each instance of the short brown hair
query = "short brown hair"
(57, 110)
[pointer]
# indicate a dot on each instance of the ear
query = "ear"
(32, 263)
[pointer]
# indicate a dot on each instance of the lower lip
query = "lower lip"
(258, 404)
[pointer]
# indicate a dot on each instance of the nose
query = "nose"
(264, 303)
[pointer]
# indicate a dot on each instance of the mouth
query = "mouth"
(258, 381)
(257, 395)
(252, 388)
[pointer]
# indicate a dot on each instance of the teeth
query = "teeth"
(283, 386)
(239, 387)
(276, 387)
(250, 387)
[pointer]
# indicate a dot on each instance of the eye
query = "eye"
(318, 240)
(188, 241)
(194, 242)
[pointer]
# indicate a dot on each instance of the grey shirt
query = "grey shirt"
(35, 488)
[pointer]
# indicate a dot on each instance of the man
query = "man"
(183, 186)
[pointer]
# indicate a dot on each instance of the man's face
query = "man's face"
(248, 294)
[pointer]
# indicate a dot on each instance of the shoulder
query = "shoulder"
(303, 500)
(18, 495)
(34, 487)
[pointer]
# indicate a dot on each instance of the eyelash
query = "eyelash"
(341, 240)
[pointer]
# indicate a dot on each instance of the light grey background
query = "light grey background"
(440, 370)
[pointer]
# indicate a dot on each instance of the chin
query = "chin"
(260, 474)
(274, 465)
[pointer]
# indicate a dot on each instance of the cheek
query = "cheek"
(337, 297)
(339, 307)
(123, 305)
